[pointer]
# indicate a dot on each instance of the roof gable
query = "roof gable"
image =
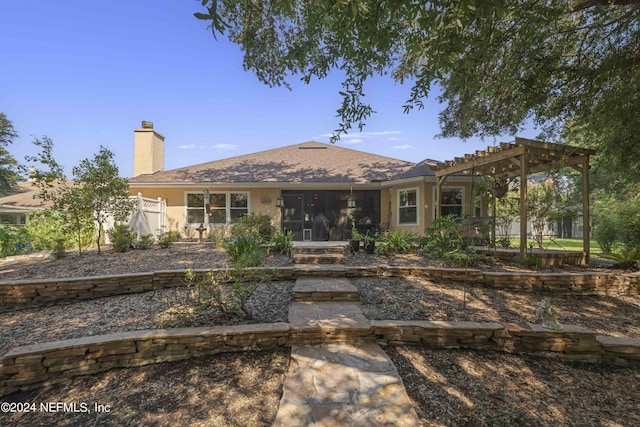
(305, 162)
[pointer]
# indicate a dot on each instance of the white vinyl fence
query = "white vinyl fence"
(149, 216)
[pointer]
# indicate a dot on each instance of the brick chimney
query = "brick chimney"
(148, 150)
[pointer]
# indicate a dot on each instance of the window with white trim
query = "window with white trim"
(223, 207)
(408, 206)
(195, 208)
(451, 202)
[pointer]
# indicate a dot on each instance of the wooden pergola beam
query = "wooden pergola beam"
(519, 159)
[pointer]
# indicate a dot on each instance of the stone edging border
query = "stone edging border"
(33, 366)
(29, 293)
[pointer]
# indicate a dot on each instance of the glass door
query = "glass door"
(293, 214)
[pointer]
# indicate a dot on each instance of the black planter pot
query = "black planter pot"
(370, 247)
(355, 245)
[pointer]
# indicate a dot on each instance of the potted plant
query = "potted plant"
(369, 243)
(356, 236)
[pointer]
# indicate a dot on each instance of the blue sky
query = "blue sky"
(87, 73)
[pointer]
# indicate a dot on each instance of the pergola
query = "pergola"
(520, 159)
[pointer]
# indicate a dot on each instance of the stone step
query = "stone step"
(341, 384)
(318, 249)
(312, 322)
(318, 258)
(325, 289)
(317, 270)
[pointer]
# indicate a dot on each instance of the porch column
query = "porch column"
(440, 181)
(586, 221)
(524, 165)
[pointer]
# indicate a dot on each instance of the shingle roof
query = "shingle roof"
(306, 162)
(23, 197)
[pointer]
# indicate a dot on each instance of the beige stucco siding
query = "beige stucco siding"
(261, 201)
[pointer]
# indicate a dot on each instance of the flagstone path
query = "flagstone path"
(337, 376)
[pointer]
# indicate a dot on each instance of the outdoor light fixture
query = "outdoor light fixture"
(280, 202)
(351, 202)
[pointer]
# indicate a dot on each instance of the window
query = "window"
(408, 206)
(223, 207)
(195, 208)
(451, 202)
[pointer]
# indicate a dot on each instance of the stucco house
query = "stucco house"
(294, 184)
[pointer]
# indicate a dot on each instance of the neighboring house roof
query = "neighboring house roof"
(306, 162)
(22, 197)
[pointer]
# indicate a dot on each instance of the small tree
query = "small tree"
(103, 190)
(542, 202)
(95, 193)
(67, 196)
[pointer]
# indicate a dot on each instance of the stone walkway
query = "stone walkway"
(336, 377)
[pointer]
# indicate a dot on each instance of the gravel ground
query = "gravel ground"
(448, 388)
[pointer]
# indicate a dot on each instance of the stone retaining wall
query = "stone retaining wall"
(33, 366)
(26, 293)
(571, 343)
(587, 283)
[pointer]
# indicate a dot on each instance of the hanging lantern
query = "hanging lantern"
(351, 201)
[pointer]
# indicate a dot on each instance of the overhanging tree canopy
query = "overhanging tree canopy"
(498, 63)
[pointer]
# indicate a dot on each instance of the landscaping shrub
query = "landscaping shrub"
(216, 237)
(245, 249)
(283, 242)
(617, 222)
(463, 258)
(629, 223)
(59, 250)
(260, 224)
(220, 295)
(606, 232)
(167, 239)
(13, 240)
(145, 241)
(626, 258)
(443, 236)
(397, 242)
(122, 237)
(45, 228)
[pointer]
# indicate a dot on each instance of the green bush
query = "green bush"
(14, 240)
(167, 239)
(245, 249)
(629, 223)
(145, 241)
(283, 242)
(46, 228)
(260, 224)
(206, 297)
(626, 258)
(122, 237)
(615, 222)
(216, 237)
(443, 236)
(606, 232)
(397, 242)
(463, 258)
